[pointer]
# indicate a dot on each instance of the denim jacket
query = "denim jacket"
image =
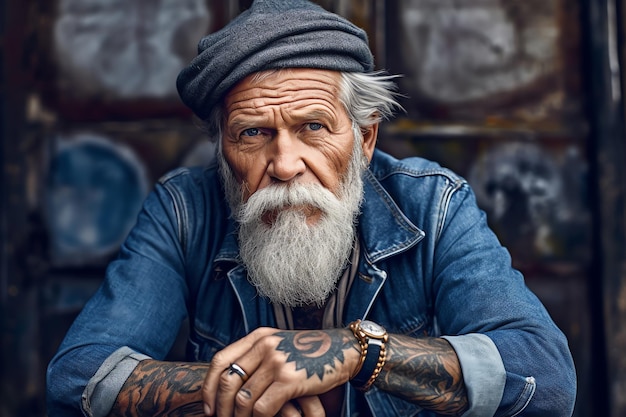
(429, 266)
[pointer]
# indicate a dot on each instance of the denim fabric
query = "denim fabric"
(429, 266)
(101, 392)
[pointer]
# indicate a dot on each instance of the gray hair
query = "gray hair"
(369, 98)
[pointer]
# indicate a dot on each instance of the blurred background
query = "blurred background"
(522, 97)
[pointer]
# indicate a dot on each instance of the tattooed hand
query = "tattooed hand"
(281, 366)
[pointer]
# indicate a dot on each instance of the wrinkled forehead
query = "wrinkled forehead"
(286, 88)
(275, 82)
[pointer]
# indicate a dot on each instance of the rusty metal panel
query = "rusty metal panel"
(500, 63)
(114, 59)
(125, 49)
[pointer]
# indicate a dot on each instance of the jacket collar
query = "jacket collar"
(383, 227)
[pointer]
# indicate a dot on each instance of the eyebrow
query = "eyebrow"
(239, 124)
(245, 122)
(313, 114)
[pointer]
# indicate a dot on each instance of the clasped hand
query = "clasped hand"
(279, 371)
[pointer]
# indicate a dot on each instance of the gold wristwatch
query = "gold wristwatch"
(372, 338)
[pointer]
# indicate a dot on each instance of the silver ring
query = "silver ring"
(236, 369)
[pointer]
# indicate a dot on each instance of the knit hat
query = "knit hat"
(271, 34)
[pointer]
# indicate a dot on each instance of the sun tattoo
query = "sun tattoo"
(312, 350)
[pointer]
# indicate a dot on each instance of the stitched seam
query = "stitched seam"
(422, 173)
(180, 214)
(445, 203)
(528, 392)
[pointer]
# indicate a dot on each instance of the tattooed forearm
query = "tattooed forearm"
(162, 389)
(315, 351)
(425, 371)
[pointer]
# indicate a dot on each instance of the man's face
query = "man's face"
(291, 168)
(286, 127)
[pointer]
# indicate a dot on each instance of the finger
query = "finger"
(238, 389)
(251, 387)
(228, 386)
(221, 361)
(310, 406)
(277, 393)
(273, 399)
(266, 367)
(290, 409)
(238, 396)
(233, 397)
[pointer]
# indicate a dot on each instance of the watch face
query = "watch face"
(372, 329)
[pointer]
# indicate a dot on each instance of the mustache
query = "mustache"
(277, 197)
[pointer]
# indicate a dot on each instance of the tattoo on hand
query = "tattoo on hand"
(313, 350)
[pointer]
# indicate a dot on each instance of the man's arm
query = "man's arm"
(162, 388)
(425, 371)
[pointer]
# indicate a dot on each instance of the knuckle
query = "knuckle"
(261, 332)
(219, 360)
(267, 342)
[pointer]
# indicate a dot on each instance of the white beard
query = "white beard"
(289, 261)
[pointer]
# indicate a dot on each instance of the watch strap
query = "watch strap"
(370, 362)
(373, 357)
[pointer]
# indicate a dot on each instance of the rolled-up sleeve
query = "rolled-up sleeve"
(483, 372)
(102, 390)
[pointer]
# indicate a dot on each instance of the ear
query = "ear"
(370, 135)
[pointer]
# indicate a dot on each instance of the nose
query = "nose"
(286, 161)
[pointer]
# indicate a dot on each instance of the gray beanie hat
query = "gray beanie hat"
(271, 34)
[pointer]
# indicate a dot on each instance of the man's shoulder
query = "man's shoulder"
(189, 175)
(386, 167)
(194, 188)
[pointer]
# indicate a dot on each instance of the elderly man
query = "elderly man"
(319, 275)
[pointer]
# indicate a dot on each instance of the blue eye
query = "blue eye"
(315, 126)
(251, 132)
